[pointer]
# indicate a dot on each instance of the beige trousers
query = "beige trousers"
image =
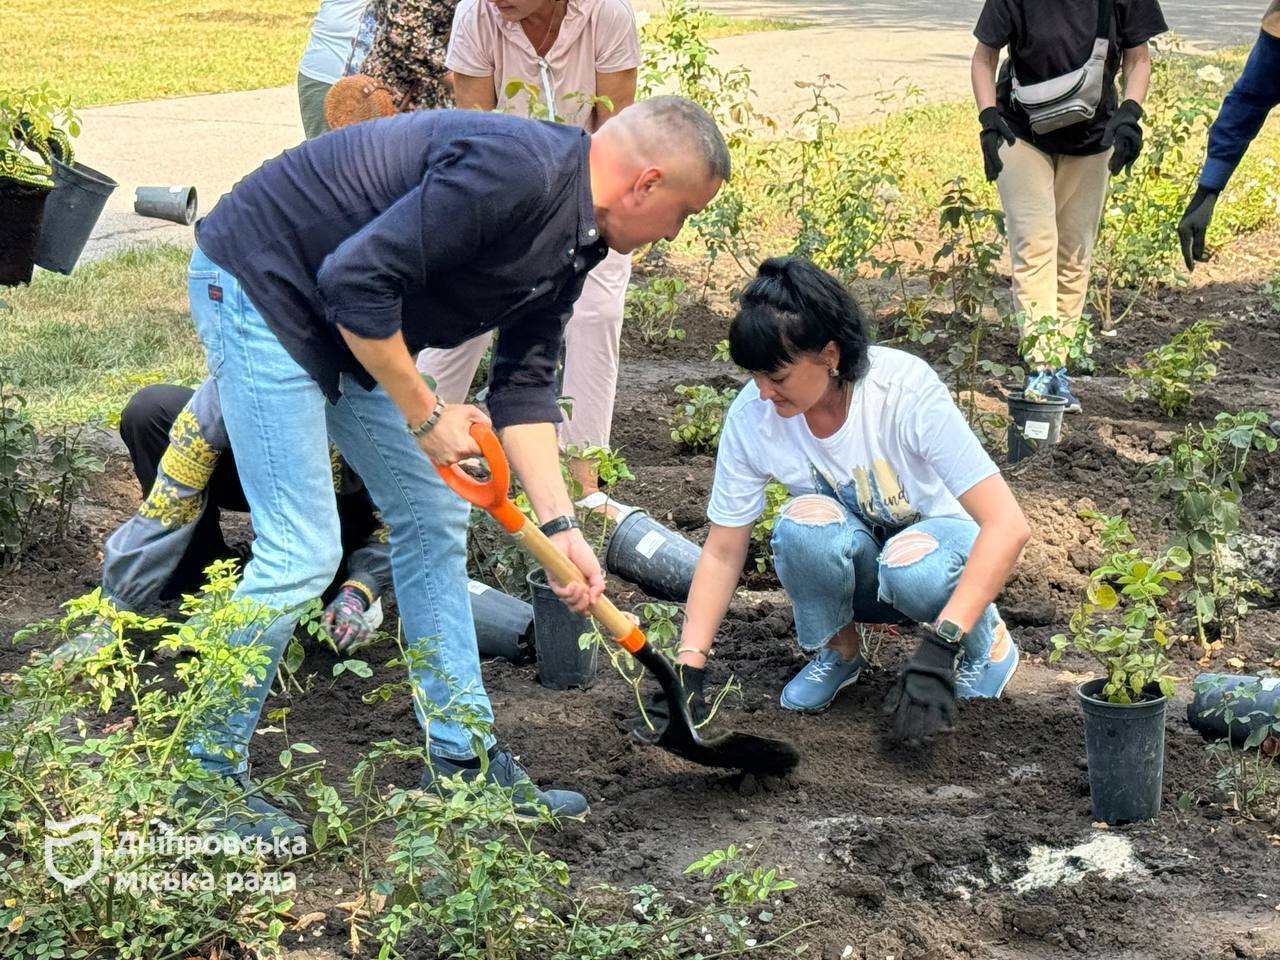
(590, 363)
(1052, 206)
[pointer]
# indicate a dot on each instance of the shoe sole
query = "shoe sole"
(820, 709)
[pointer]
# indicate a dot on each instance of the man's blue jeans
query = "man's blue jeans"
(837, 570)
(280, 424)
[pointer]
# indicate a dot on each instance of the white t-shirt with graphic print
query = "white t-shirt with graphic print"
(905, 452)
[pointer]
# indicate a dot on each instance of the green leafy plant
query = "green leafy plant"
(1203, 474)
(1169, 374)
(1044, 341)
(610, 465)
(680, 58)
(105, 740)
(697, 419)
(32, 119)
(775, 495)
(843, 195)
(38, 479)
(1121, 621)
(652, 306)
(1137, 246)
(740, 884)
(965, 268)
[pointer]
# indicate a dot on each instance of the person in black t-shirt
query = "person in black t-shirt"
(1053, 184)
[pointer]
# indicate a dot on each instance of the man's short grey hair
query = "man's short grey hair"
(685, 123)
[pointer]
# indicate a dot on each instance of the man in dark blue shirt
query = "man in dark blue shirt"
(1256, 91)
(315, 280)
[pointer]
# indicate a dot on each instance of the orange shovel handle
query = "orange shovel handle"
(491, 495)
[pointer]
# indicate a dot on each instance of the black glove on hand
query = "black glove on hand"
(924, 699)
(1195, 224)
(659, 710)
(994, 129)
(1125, 134)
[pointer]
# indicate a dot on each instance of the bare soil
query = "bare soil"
(897, 853)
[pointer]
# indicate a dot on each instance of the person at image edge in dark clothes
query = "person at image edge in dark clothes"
(1052, 185)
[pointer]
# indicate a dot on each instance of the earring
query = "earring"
(834, 372)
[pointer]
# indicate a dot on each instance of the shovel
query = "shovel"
(734, 750)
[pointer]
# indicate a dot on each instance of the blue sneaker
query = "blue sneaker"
(986, 678)
(1060, 386)
(813, 688)
(1039, 386)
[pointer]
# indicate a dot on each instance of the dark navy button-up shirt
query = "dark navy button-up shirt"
(437, 224)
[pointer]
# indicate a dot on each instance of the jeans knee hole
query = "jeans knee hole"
(909, 548)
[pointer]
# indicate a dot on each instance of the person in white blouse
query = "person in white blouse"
(574, 61)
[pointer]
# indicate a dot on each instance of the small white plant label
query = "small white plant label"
(650, 544)
(1037, 429)
(477, 588)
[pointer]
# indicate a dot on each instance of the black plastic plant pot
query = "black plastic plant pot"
(1252, 702)
(659, 561)
(562, 663)
(177, 204)
(21, 214)
(1125, 747)
(504, 624)
(78, 197)
(1033, 424)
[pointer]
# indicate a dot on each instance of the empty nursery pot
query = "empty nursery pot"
(78, 197)
(562, 663)
(177, 204)
(1251, 700)
(1033, 424)
(1125, 747)
(21, 215)
(504, 624)
(656, 559)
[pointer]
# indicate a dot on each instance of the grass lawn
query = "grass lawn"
(139, 49)
(719, 25)
(78, 347)
(99, 53)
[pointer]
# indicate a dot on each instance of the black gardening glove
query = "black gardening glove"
(994, 129)
(924, 699)
(1125, 134)
(1195, 224)
(658, 709)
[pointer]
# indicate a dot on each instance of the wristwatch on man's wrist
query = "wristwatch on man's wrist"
(559, 525)
(426, 425)
(949, 631)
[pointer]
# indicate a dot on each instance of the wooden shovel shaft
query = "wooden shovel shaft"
(620, 628)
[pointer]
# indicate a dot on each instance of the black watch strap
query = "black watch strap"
(559, 525)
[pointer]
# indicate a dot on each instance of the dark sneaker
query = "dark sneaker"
(1039, 386)
(505, 771)
(814, 687)
(243, 810)
(1060, 386)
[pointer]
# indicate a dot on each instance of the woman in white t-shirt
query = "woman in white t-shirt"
(897, 513)
(577, 60)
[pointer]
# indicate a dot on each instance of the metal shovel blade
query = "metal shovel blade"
(763, 756)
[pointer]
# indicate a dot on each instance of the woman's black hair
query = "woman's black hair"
(793, 306)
